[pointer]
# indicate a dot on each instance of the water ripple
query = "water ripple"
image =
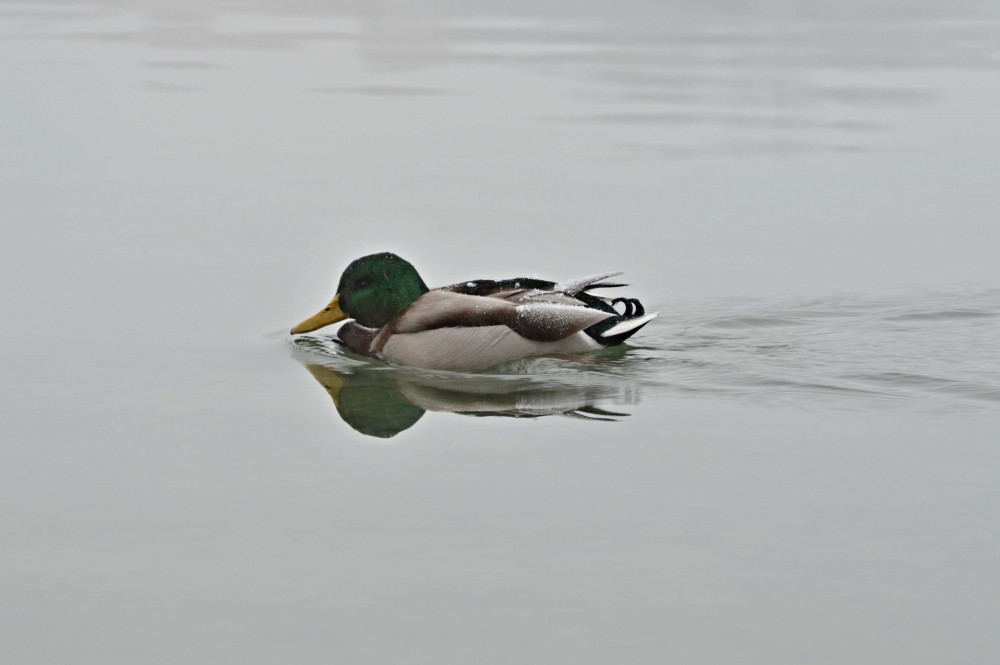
(943, 315)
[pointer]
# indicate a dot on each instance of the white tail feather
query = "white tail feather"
(630, 324)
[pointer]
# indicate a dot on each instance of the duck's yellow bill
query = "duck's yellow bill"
(329, 314)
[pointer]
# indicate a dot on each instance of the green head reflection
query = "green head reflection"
(368, 401)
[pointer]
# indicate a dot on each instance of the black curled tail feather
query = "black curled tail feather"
(633, 310)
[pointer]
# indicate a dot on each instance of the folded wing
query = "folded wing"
(533, 314)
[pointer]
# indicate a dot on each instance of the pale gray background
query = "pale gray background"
(808, 191)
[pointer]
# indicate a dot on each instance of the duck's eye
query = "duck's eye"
(361, 283)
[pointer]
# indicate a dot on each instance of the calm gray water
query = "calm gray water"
(797, 463)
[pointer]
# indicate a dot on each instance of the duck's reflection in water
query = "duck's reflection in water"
(382, 401)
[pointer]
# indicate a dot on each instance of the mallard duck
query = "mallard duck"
(470, 325)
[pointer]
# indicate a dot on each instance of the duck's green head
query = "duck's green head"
(372, 291)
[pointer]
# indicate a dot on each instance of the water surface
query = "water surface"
(796, 463)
